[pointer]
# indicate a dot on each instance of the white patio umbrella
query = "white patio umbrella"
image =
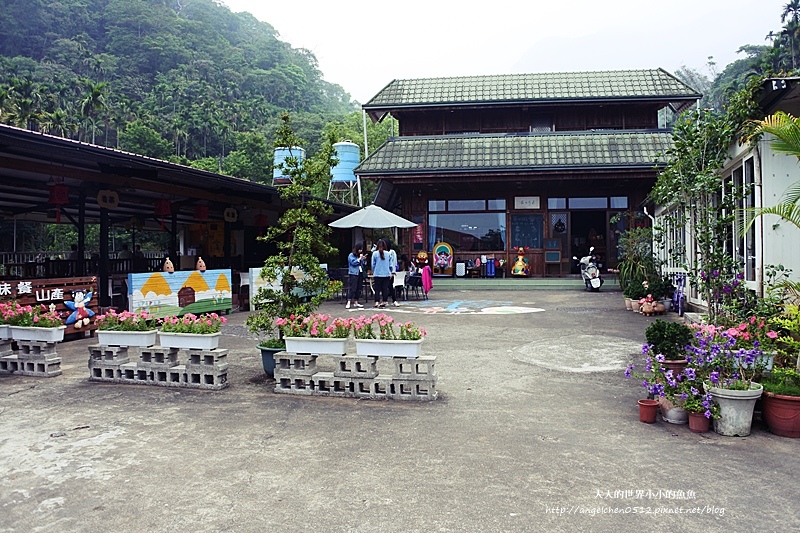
(372, 217)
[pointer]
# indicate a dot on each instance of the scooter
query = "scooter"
(590, 271)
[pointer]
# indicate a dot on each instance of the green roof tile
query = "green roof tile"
(619, 84)
(516, 152)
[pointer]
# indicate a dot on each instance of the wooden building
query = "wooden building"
(488, 164)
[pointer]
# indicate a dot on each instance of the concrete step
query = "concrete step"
(518, 284)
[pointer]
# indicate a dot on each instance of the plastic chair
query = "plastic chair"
(400, 284)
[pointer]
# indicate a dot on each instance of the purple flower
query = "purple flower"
(660, 358)
(739, 275)
(694, 391)
(715, 273)
(707, 414)
(628, 371)
(689, 373)
(714, 377)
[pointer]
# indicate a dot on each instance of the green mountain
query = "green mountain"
(178, 79)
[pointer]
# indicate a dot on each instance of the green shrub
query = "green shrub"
(668, 338)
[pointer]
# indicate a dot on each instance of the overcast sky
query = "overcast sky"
(363, 45)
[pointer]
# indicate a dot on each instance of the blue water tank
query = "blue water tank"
(349, 156)
(281, 154)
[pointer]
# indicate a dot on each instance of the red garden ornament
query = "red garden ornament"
(59, 195)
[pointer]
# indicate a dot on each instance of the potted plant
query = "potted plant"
(377, 336)
(126, 328)
(635, 290)
(317, 333)
(670, 339)
(781, 402)
(35, 323)
(296, 283)
(191, 332)
(727, 363)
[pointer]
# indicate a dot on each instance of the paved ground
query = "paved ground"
(536, 429)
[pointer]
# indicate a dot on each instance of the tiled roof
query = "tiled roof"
(561, 86)
(408, 155)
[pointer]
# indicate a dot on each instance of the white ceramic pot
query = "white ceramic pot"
(141, 339)
(316, 346)
(189, 341)
(380, 348)
(25, 333)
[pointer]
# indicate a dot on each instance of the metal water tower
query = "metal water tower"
(344, 183)
(280, 176)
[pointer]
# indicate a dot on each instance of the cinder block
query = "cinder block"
(418, 368)
(118, 354)
(352, 366)
(207, 357)
(127, 373)
(361, 388)
(341, 387)
(44, 368)
(294, 385)
(413, 390)
(41, 349)
(292, 365)
(159, 354)
(322, 383)
(381, 387)
(6, 347)
(176, 376)
(10, 364)
(206, 377)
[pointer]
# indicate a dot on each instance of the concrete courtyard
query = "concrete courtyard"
(535, 429)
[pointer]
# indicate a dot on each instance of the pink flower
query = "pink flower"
(772, 335)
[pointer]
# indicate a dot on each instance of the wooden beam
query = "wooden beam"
(137, 183)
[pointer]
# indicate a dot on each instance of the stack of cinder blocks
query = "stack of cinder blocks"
(356, 377)
(159, 365)
(32, 358)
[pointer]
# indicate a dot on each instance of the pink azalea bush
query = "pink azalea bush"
(204, 324)
(126, 321)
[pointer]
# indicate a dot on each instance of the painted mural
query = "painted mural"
(178, 293)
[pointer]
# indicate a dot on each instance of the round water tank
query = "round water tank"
(349, 155)
(281, 154)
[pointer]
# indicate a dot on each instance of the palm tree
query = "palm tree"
(786, 130)
(95, 102)
(791, 11)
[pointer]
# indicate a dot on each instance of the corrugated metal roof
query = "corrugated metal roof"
(566, 86)
(402, 155)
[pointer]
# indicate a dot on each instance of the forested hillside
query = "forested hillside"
(186, 80)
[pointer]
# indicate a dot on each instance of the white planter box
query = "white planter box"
(141, 339)
(24, 333)
(389, 348)
(5, 332)
(189, 341)
(316, 346)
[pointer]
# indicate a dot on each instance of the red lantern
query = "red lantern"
(262, 222)
(201, 212)
(59, 195)
(162, 209)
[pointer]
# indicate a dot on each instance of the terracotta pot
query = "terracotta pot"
(627, 303)
(782, 414)
(699, 423)
(635, 306)
(648, 409)
(676, 365)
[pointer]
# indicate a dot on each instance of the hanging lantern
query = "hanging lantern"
(262, 222)
(201, 212)
(59, 195)
(162, 208)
